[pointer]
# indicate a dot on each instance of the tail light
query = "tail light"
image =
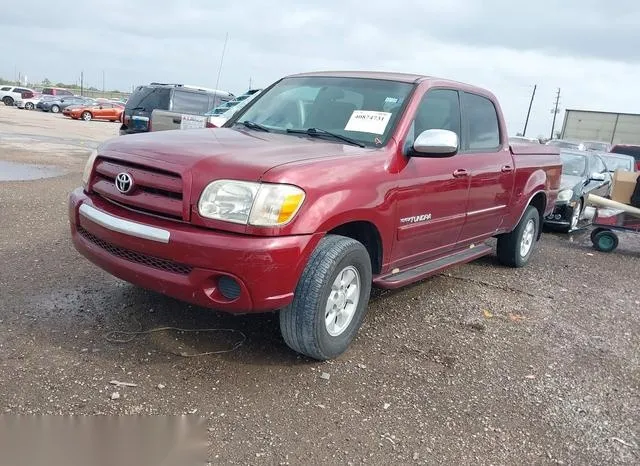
(210, 125)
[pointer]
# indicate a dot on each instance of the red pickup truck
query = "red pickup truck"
(326, 184)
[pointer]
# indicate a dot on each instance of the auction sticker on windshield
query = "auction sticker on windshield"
(368, 121)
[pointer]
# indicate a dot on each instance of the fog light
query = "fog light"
(557, 216)
(229, 287)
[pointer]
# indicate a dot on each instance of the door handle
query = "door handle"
(507, 169)
(459, 173)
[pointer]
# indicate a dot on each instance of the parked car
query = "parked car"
(95, 111)
(628, 149)
(57, 91)
(177, 98)
(9, 94)
(564, 144)
(522, 140)
(59, 104)
(618, 161)
(43, 99)
(323, 185)
(583, 173)
(598, 146)
(28, 103)
(162, 120)
(219, 116)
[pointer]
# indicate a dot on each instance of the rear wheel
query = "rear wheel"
(594, 232)
(29, 106)
(330, 300)
(515, 248)
(55, 109)
(8, 101)
(86, 116)
(605, 241)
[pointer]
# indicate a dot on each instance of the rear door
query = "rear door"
(491, 168)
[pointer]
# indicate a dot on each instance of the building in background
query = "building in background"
(588, 125)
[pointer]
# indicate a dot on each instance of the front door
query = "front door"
(432, 192)
(491, 168)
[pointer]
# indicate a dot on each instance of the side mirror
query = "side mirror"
(435, 143)
(598, 176)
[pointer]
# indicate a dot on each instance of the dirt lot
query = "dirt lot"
(482, 365)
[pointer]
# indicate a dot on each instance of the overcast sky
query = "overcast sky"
(588, 48)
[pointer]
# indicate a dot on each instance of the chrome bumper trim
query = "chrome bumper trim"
(124, 226)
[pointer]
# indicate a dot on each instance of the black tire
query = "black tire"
(8, 101)
(86, 116)
(509, 244)
(302, 323)
(605, 241)
(55, 109)
(594, 232)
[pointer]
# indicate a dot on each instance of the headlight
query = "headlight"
(250, 203)
(565, 195)
(87, 168)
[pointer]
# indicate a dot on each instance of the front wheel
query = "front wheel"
(29, 106)
(86, 116)
(55, 109)
(515, 248)
(330, 300)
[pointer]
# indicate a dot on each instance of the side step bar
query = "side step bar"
(419, 272)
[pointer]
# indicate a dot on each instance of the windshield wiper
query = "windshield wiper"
(317, 132)
(252, 125)
(138, 108)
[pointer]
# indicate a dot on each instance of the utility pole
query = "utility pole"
(249, 82)
(526, 122)
(103, 82)
(81, 83)
(555, 111)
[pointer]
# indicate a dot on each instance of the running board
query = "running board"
(428, 269)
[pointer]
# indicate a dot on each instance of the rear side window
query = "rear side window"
(20, 90)
(481, 121)
(190, 102)
(64, 92)
(47, 91)
(149, 98)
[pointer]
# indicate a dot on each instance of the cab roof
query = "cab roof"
(392, 76)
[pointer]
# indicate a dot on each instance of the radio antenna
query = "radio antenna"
(224, 48)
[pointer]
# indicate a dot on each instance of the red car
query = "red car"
(322, 186)
(628, 149)
(98, 111)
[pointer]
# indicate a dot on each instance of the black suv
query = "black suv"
(136, 117)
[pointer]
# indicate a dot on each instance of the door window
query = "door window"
(439, 109)
(481, 121)
(190, 102)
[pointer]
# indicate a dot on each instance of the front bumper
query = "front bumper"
(227, 272)
(561, 215)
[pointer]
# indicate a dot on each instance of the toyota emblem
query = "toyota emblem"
(124, 182)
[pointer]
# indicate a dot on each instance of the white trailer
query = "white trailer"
(614, 128)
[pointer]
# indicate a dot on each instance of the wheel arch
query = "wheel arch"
(367, 233)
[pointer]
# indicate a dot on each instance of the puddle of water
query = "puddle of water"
(13, 171)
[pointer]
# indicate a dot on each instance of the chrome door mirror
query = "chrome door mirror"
(436, 143)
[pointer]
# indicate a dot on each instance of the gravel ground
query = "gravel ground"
(481, 365)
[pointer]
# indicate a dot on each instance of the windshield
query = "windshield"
(573, 164)
(617, 163)
(563, 144)
(365, 110)
(149, 98)
(596, 146)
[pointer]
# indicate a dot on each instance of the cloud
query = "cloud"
(587, 48)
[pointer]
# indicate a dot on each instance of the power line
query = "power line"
(555, 111)
(224, 48)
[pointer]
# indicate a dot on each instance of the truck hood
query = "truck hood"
(223, 152)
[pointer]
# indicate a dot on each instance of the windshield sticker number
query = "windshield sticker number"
(367, 121)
